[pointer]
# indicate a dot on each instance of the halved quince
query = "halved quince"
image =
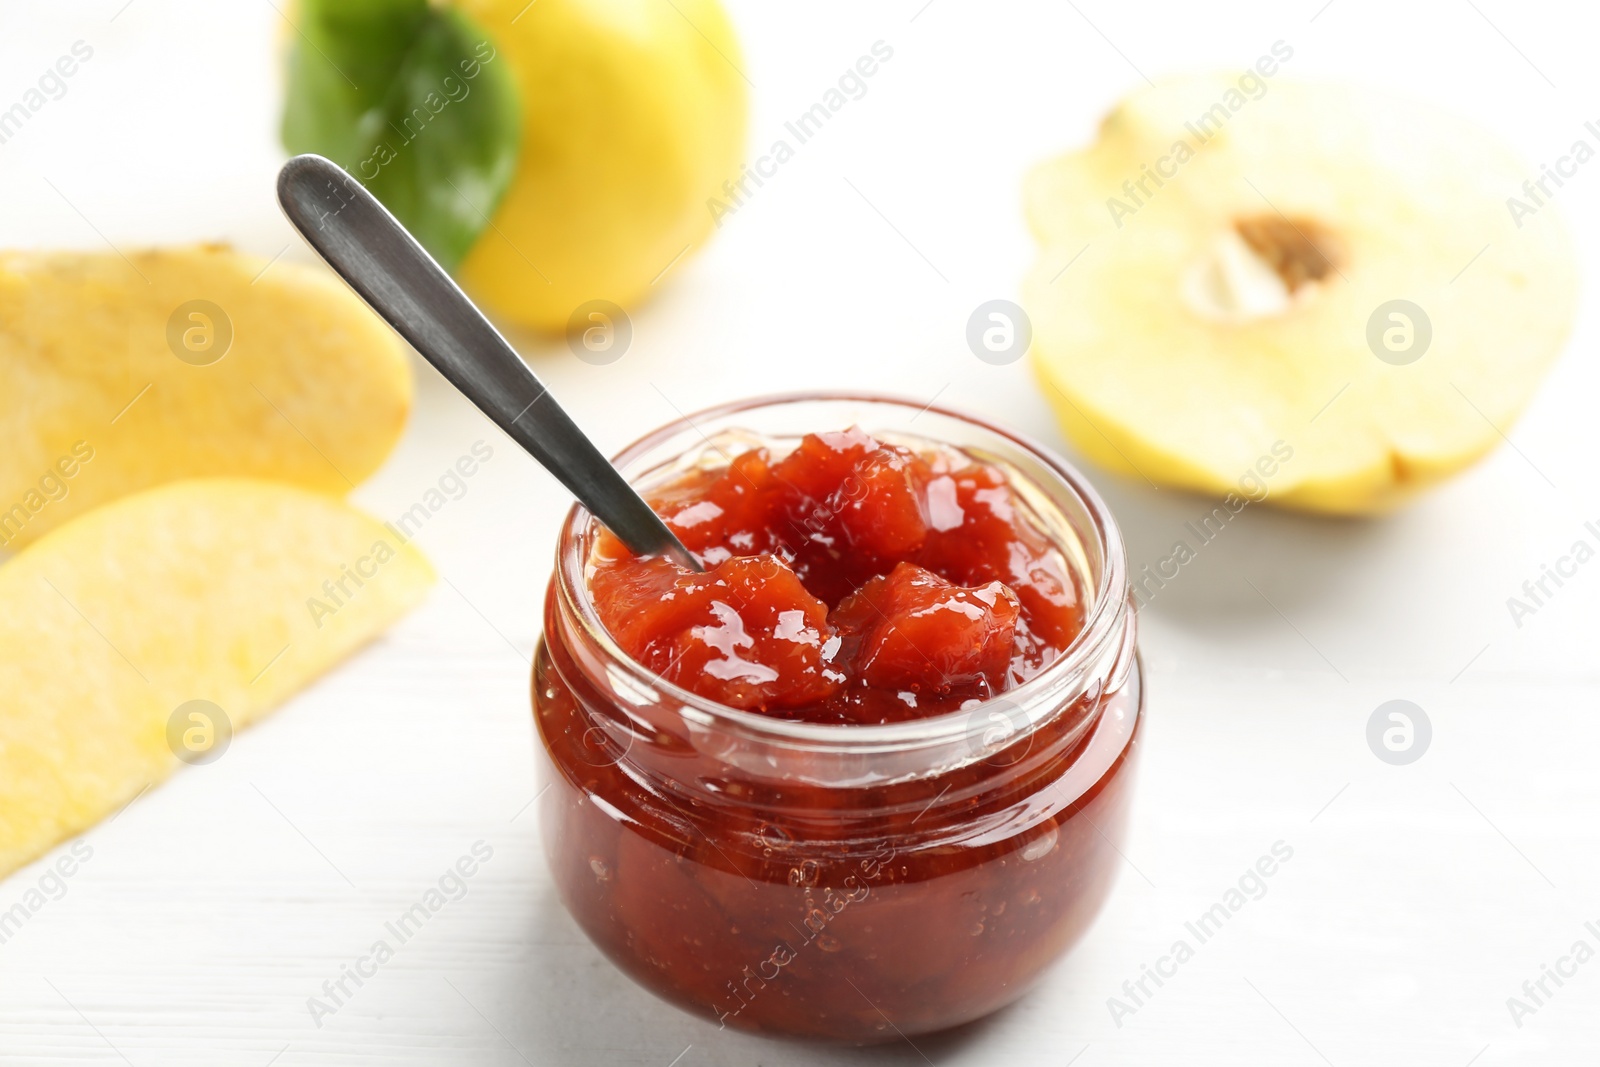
(120, 374)
(1216, 287)
(207, 590)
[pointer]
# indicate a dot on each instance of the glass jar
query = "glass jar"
(847, 883)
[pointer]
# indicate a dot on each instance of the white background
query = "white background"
(1419, 898)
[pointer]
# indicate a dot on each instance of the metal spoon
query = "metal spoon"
(384, 264)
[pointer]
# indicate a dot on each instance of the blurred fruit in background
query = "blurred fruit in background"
(118, 375)
(549, 153)
(1314, 292)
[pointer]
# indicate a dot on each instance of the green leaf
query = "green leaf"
(414, 101)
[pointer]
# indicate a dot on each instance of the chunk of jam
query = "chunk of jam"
(851, 581)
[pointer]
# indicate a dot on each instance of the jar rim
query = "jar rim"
(1102, 631)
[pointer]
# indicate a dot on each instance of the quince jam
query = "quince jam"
(852, 581)
(897, 786)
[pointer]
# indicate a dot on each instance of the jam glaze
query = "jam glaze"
(852, 581)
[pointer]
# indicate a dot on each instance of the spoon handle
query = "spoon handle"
(384, 264)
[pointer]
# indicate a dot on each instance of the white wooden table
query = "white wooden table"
(1418, 899)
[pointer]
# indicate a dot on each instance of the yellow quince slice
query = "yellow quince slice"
(148, 630)
(1246, 269)
(120, 374)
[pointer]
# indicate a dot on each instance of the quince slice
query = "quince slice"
(209, 590)
(1336, 275)
(117, 375)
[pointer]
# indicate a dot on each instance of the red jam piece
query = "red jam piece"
(745, 633)
(917, 630)
(851, 581)
(983, 533)
(852, 495)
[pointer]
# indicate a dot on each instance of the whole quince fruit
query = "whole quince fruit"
(549, 153)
